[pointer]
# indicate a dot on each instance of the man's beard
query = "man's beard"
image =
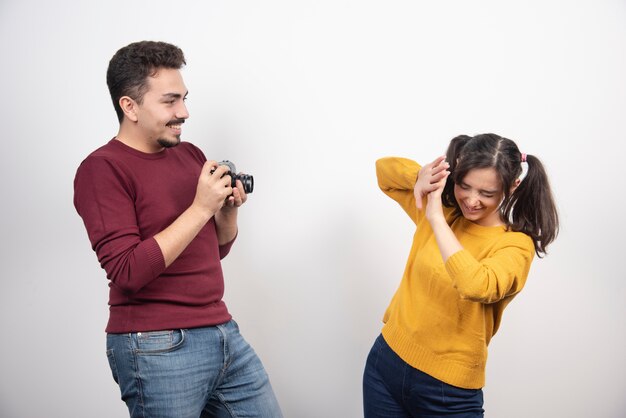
(166, 143)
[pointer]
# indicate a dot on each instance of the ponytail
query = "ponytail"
(531, 208)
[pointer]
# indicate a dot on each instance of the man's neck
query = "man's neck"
(133, 139)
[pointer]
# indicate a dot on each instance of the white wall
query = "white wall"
(305, 96)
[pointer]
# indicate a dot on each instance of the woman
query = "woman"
(478, 226)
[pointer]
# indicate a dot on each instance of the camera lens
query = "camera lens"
(247, 180)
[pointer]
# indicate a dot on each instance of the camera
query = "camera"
(246, 179)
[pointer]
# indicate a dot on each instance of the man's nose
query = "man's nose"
(182, 112)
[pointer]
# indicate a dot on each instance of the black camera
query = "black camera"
(246, 179)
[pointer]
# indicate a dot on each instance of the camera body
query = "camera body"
(246, 179)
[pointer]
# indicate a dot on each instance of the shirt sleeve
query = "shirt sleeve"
(500, 275)
(104, 198)
(396, 178)
(225, 248)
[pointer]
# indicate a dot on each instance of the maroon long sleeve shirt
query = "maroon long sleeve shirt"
(125, 197)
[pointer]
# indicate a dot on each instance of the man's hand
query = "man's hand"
(211, 193)
(213, 188)
(237, 198)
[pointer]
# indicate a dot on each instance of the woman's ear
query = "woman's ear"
(514, 186)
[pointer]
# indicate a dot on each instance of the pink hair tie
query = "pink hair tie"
(523, 157)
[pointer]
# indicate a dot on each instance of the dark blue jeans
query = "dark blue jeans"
(394, 389)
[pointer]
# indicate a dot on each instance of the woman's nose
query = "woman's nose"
(472, 200)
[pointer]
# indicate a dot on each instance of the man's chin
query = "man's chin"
(169, 143)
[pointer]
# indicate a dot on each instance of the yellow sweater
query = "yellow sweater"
(443, 315)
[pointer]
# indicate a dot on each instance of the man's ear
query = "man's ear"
(129, 107)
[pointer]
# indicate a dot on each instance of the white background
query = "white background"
(306, 96)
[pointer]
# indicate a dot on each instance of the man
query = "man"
(160, 217)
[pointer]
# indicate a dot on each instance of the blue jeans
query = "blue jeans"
(185, 373)
(393, 388)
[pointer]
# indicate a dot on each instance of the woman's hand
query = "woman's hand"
(434, 207)
(430, 178)
(446, 240)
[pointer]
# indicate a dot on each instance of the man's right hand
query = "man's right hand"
(211, 193)
(213, 188)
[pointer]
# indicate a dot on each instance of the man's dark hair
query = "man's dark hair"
(130, 67)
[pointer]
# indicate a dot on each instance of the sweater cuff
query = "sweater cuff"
(410, 175)
(459, 263)
(155, 256)
(225, 248)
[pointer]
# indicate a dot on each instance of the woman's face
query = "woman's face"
(479, 195)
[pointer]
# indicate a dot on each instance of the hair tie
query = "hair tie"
(523, 157)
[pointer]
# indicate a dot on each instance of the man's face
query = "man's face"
(161, 114)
